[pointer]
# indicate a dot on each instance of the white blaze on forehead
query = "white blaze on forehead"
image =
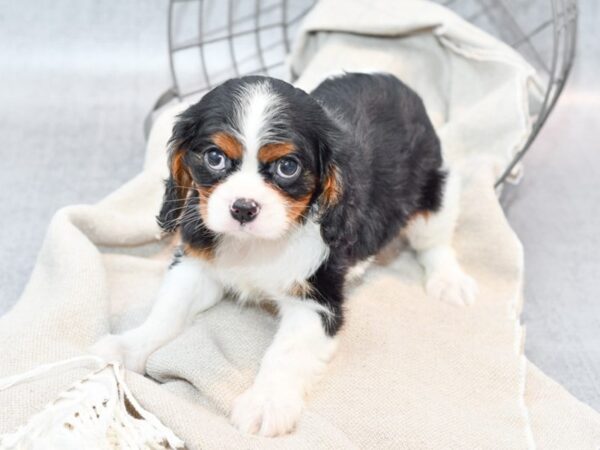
(258, 111)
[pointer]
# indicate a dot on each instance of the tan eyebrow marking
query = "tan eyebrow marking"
(272, 152)
(228, 145)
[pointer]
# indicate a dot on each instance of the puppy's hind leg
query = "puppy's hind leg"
(430, 235)
(186, 290)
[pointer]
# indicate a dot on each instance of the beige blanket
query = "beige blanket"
(410, 372)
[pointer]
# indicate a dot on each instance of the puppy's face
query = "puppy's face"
(252, 149)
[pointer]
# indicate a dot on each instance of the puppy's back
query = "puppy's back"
(392, 152)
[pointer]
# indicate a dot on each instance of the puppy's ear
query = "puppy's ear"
(334, 202)
(176, 189)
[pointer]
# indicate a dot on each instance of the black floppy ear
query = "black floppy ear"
(337, 225)
(176, 189)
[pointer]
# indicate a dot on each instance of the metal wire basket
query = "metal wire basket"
(211, 41)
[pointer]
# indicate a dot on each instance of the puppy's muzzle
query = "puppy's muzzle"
(244, 210)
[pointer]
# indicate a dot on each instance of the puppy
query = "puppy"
(277, 194)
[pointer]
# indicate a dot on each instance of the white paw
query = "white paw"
(267, 412)
(452, 285)
(128, 351)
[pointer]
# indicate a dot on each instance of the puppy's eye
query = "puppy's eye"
(215, 159)
(287, 168)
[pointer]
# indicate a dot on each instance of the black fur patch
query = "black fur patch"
(193, 231)
(327, 289)
(388, 157)
(389, 160)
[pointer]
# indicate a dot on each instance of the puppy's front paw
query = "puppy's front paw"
(452, 285)
(128, 351)
(267, 412)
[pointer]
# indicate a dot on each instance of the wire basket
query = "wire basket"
(211, 41)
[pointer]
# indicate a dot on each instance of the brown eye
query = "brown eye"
(287, 168)
(215, 159)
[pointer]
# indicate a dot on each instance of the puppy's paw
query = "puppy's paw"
(128, 351)
(451, 285)
(267, 412)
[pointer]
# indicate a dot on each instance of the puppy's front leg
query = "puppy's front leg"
(292, 364)
(186, 290)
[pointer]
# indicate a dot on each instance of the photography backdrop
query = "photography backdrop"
(78, 78)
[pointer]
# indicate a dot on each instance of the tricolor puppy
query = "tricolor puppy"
(276, 195)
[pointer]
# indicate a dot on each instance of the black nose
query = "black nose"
(244, 210)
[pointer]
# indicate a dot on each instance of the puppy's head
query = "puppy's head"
(252, 157)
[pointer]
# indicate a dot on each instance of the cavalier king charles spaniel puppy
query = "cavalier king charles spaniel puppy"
(276, 194)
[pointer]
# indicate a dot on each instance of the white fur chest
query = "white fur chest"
(252, 267)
